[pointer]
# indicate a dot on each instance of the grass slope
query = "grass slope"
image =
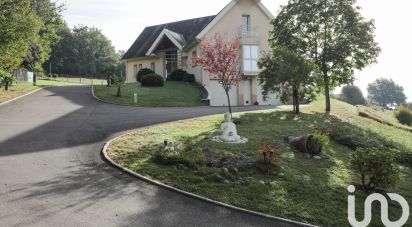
(297, 187)
(173, 94)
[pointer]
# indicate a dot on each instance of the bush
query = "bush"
(152, 80)
(376, 168)
(353, 95)
(321, 139)
(142, 73)
(190, 78)
(404, 115)
(177, 75)
(169, 158)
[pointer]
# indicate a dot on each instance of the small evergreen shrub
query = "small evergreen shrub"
(191, 160)
(190, 78)
(152, 80)
(177, 75)
(143, 72)
(376, 168)
(404, 115)
(353, 95)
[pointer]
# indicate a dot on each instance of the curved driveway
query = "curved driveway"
(52, 174)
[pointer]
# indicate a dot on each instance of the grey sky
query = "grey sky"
(123, 20)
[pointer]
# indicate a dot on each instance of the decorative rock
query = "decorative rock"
(226, 182)
(281, 174)
(261, 182)
(317, 157)
(225, 171)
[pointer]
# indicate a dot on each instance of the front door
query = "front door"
(247, 91)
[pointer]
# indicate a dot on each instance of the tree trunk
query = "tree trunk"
(296, 95)
(34, 79)
(119, 92)
(327, 91)
(228, 102)
(6, 85)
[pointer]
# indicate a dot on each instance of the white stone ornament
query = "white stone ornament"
(229, 130)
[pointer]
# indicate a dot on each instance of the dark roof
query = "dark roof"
(189, 29)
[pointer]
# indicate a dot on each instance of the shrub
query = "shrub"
(321, 139)
(143, 72)
(353, 95)
(169, 158)
(177, 75)
(376, 168)
(152, 80)
(404, 115)
(190, 78)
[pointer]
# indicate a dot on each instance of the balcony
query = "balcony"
(249, 34)
(248, 31)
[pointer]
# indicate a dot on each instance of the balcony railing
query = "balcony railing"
(248, 31)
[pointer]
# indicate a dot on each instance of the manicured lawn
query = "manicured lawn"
(296, 187)
(173, 94)
(19, 89)
(81, 80)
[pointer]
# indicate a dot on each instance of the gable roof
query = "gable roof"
(184, 32)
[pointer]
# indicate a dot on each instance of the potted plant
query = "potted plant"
(319, 141)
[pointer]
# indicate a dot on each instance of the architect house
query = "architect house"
(167, 47)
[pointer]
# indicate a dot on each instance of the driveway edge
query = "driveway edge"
(107, 102)
(21, 96)
(139, 176)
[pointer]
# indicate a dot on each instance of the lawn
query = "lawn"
(19, 89)
(173, 94)
(81, 80)
(297, 187)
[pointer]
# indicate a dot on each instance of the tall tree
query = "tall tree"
(48, 35)
(82, 51)
(221, 59)
(19, 24)
(287, 74)
(332, 33)
(386, 93)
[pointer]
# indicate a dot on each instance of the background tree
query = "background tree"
(384, 92)
(48, 35)
(353, 95)
(221, 59)
(82, 51)
(332, 33)
(19, 24)
(286, 74)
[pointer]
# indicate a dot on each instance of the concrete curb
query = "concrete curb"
(139, 176)
(21, 96)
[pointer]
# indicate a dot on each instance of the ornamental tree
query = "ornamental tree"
(332, 33)
(220, 58)
(287, 74)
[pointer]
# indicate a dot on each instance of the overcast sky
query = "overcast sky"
(123, 20)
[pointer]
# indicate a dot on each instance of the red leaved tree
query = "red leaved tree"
(221, 59)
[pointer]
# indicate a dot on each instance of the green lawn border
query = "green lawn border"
(106, 157)
(107, 102)
(21, 96)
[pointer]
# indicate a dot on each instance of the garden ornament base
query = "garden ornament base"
(229, 132)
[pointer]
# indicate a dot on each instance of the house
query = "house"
(167, 47)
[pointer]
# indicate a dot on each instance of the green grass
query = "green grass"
(296, 187)
(81, 80)
(173, 94)
(19, 89)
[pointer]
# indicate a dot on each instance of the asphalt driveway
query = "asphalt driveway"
(52, 173)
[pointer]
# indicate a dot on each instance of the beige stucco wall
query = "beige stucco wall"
(146, 63)
(229, 26)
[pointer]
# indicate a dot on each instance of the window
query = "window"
(135, 70)
(184, 62)
(140, 66)
(250, 58)
(245, 24)
(152, 66)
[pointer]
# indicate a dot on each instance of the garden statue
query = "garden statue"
(229, 130)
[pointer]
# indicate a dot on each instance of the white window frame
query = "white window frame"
(153, 66)
(250, 58)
